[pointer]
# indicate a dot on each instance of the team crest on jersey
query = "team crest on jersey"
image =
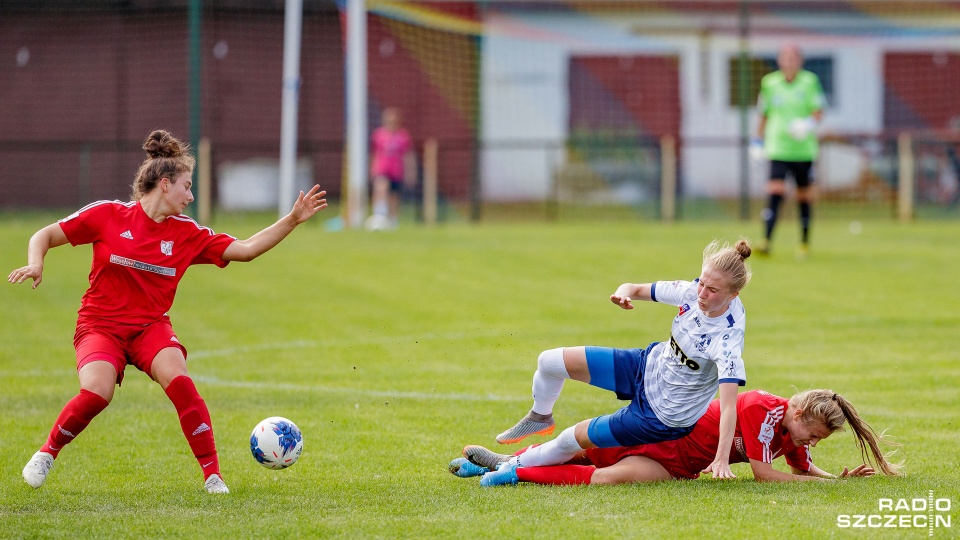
(166, 247)
(766, 434)
(683, 309)
(703, 342)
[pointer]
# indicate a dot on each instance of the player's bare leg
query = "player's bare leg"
(629, 470)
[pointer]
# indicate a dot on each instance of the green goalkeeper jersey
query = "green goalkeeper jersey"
(783, 102)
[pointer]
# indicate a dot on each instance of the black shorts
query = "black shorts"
(801, 171)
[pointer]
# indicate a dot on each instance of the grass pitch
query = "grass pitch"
(393, 350)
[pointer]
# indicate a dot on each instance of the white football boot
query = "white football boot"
(215, 484)
(37, 469)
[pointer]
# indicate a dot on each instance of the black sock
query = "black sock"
(770, 216)
(805, 212)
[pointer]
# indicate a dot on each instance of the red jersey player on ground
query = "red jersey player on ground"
(768, 427)
(141, 250)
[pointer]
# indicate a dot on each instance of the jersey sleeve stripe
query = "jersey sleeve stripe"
(187, 219)
(92, 205)
(653, 291)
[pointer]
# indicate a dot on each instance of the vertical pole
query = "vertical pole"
(905, 177)
(356, 112)
(292, 24)
(430, 153)
(743, 97)
(476, 187)
(195, 29)
(668, 178)
(204, 181)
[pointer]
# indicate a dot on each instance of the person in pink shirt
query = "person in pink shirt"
(391, 165)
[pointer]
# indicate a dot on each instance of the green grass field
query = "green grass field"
(392, 351)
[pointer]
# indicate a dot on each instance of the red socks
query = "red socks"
(557, 474)
(75, 416)
(195, 423)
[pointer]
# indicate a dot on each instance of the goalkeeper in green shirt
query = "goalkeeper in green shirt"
(791, 103)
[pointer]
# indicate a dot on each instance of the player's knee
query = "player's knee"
(550, 363)
(607, 477)
(103, 388)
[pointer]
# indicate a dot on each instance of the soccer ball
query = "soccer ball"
(276, 443)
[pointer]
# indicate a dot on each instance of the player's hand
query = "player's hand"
(756, 151)
(862, 470)
(34, 272)
(623, 301)
(308, 204)
(720, 469)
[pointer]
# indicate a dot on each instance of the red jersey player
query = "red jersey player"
(141, 250)
(768, 427)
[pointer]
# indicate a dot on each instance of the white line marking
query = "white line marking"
(371, 340)
(286, 387)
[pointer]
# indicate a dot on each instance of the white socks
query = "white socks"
(548, 380)
(555, 452)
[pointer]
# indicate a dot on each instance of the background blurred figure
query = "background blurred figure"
(791, 104)
(392, 165)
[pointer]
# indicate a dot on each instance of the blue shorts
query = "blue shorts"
(621, 371)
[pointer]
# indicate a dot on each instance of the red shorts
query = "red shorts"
(122, 344)
(668, 454)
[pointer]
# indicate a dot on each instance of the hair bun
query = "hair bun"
(743, 248)
(161, 144)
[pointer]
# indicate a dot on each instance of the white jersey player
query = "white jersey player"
(670, 383)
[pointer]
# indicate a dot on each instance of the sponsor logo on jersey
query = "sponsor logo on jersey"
(683, 309)
(697, 320)
(174, 338)
(738, 444)
(127, 234)
(166, 247)
(681, 356)
(137, 265)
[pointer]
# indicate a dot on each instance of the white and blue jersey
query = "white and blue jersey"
(682, 375)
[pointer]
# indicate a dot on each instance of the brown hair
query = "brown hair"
(833, 410)
(730, 261)
(167, 157)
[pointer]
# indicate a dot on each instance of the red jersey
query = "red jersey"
(759, 435)
(137, 262)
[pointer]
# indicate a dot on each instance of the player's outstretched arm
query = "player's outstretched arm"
(764, 472)
(728, 426)
(307, 205)
(48, 237)
(626, 293)
(862, 470)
